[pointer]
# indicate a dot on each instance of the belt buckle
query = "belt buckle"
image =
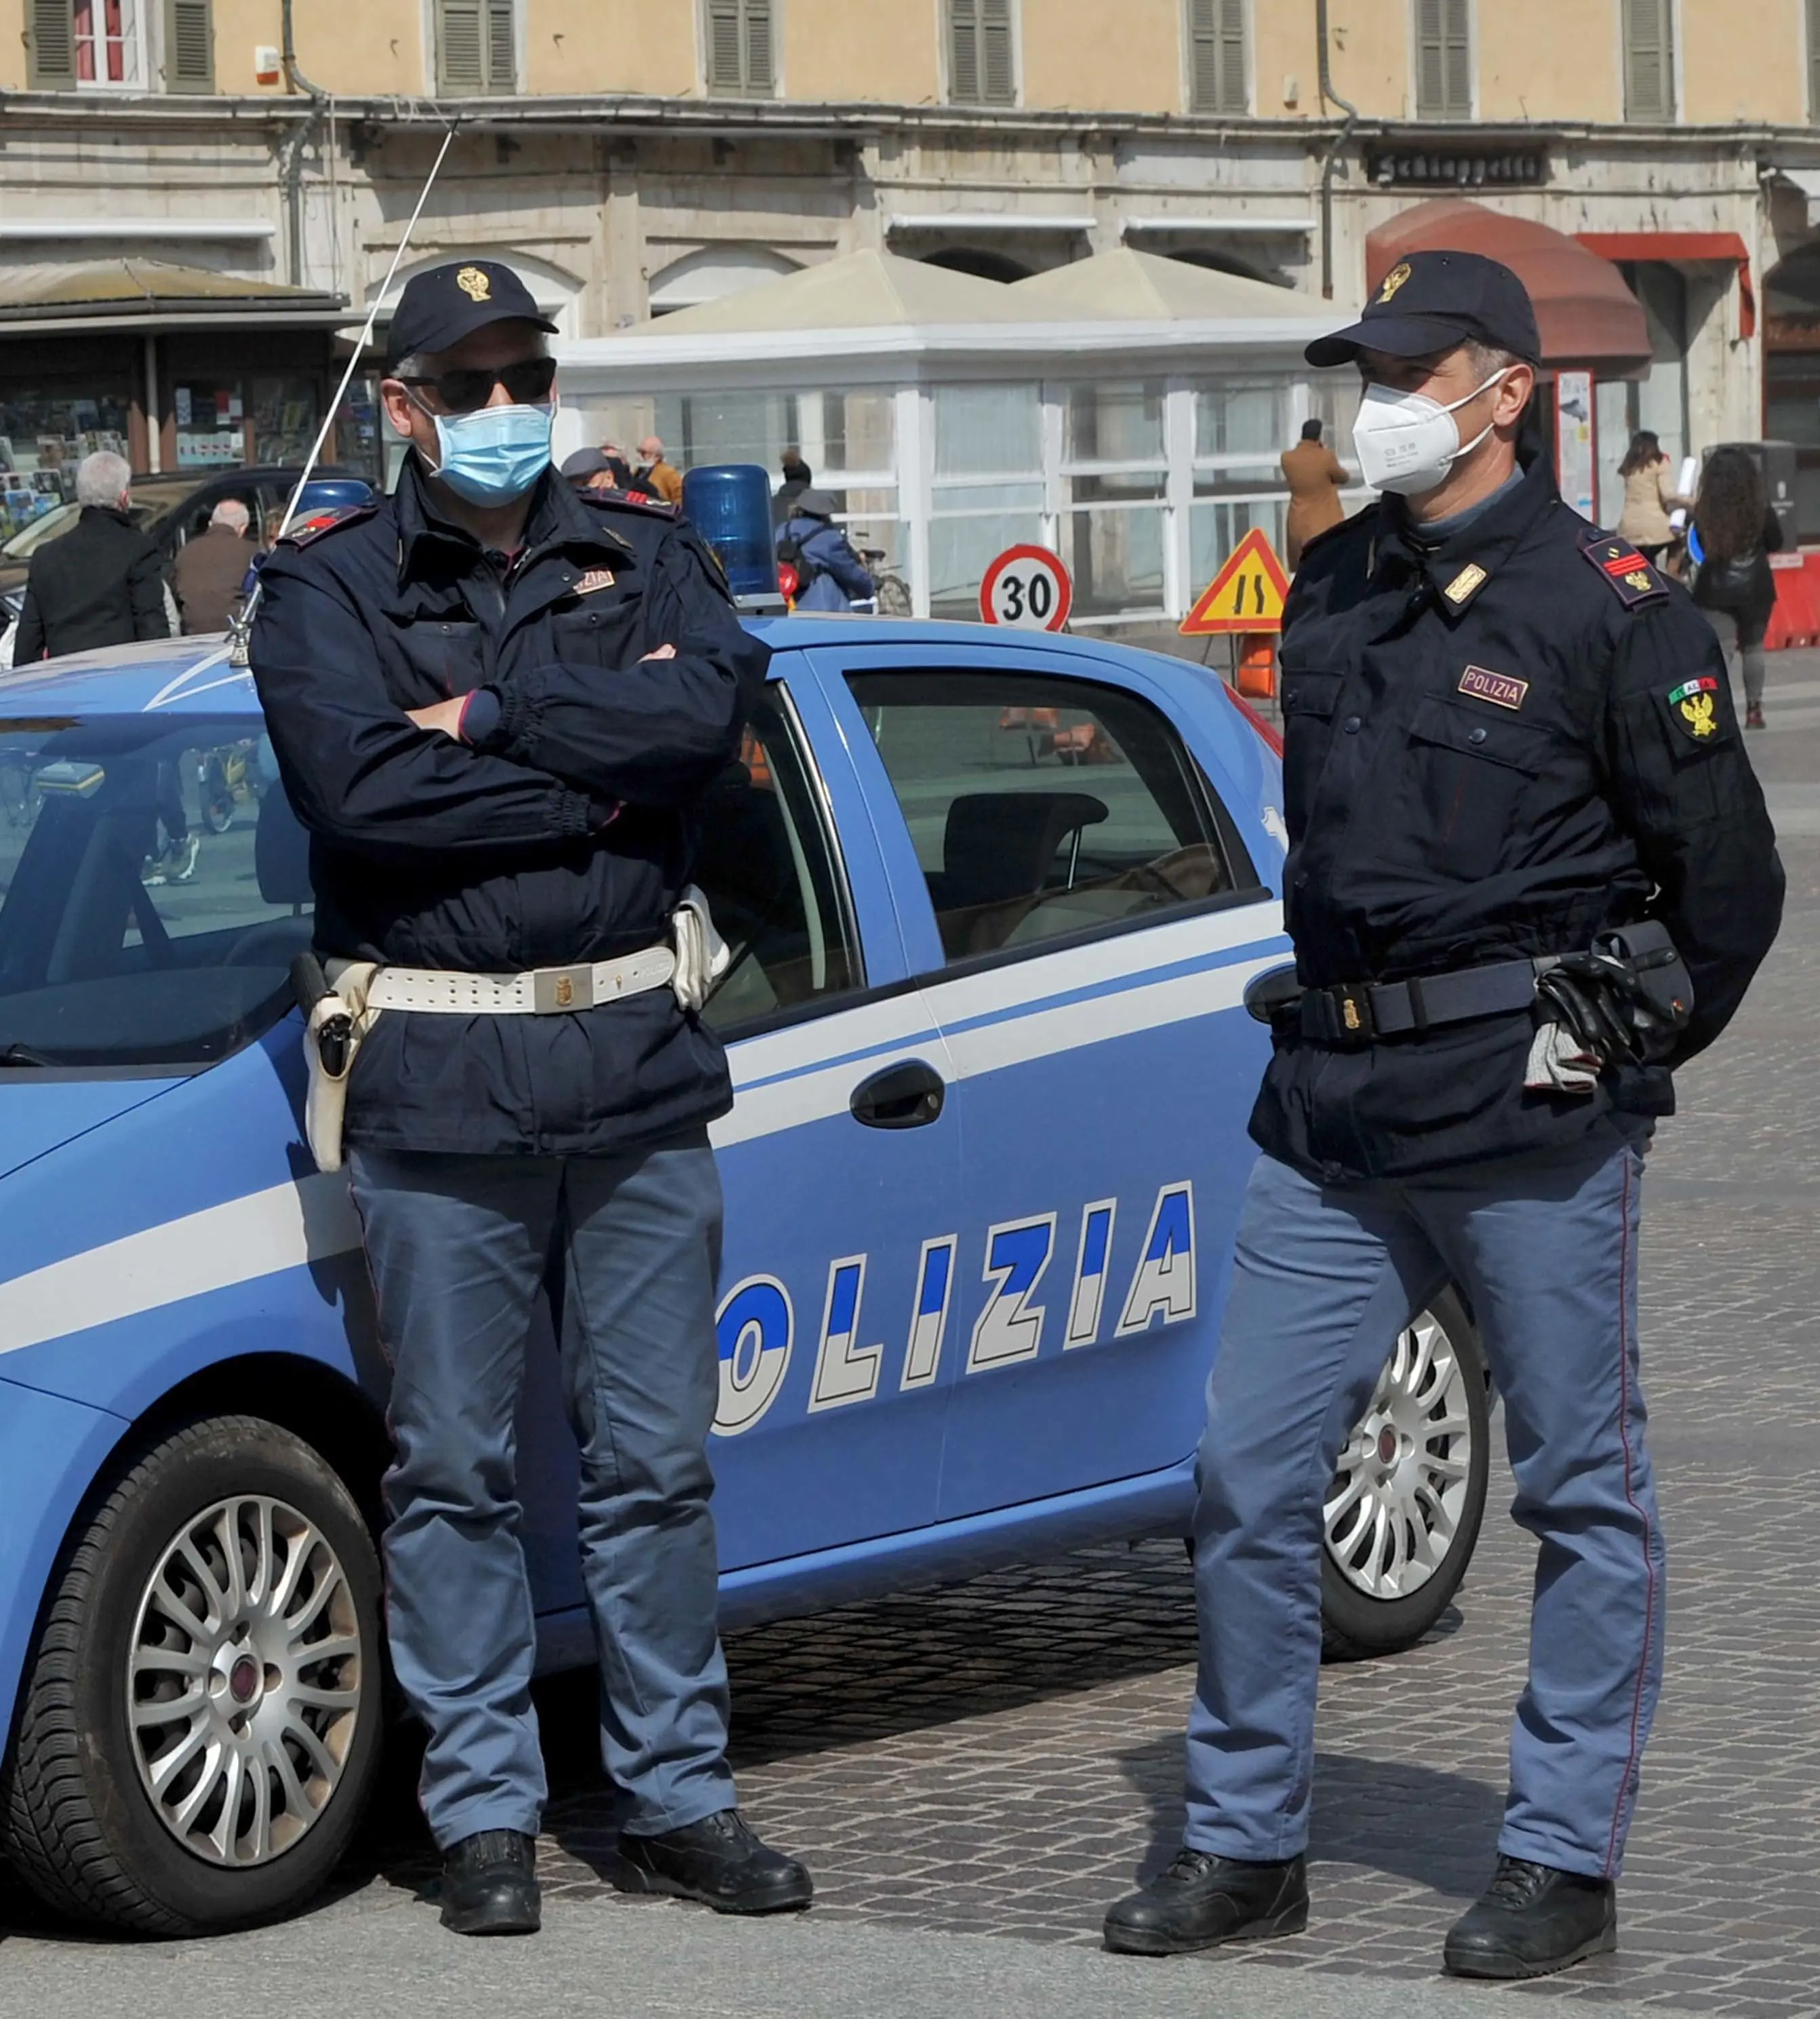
(554, 990)
(1352, 1010)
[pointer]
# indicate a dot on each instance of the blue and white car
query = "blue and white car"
(994, 899)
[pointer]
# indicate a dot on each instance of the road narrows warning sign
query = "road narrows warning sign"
(1247, 594)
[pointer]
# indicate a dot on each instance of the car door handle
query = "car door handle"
(908, 1095)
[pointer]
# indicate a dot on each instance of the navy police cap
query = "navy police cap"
(443, 304)
(1429, 301)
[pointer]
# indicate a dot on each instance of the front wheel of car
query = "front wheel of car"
(200, 1728)
(1401, 1517)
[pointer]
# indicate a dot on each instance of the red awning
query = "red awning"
(1725, 248)
(1587, 316)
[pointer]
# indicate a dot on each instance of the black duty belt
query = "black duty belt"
(1358, 1013)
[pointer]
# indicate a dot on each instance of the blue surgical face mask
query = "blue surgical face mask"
(494, 455)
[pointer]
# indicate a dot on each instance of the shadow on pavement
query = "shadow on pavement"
(1433, 1829)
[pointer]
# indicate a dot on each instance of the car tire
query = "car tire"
(277, 1665)
(1402, 1518)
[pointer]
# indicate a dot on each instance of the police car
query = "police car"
(993, 900)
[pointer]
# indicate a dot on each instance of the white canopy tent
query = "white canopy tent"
(1127, 410)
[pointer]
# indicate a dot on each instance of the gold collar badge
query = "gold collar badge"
(1460, 589)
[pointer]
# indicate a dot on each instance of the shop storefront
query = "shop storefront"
(179, 370)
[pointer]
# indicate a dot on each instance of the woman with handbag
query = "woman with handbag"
(1736, 531)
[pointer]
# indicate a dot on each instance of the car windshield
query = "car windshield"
(152, 496)
(154, 887)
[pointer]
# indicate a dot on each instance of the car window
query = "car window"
(154, 887)
(1040, 805)
(766, 861)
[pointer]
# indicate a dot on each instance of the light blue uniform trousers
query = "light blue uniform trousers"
(1544, 1248)
(628, 1248)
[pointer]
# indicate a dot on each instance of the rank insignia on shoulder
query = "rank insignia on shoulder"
(1465, 585)
(312, 525)
(1631, 577)
(1693, 705)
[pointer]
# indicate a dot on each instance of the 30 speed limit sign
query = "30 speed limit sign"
(1028, 588)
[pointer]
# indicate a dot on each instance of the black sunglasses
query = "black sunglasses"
(527, 382)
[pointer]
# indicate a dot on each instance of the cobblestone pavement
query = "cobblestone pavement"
(999, 1758)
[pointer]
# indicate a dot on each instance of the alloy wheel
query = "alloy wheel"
(1401, 1489)
(245, 1675)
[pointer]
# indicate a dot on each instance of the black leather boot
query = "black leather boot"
(1203, 1901)
(489, 1885)
(1533, 1920)
(720, 1862)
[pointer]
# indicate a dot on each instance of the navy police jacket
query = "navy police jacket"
(562, 835)
(1497, 746)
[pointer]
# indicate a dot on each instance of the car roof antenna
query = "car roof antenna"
(240, 627)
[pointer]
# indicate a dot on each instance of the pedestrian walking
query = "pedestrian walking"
(495, 703)
(1530, 874)
(1649, 497)
(797, 477)
(829, 574)
(663, 479)
(1315, 476)
(212, 568)
(1738, 530)
(103, 582)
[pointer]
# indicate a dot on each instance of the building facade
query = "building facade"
(636, 157)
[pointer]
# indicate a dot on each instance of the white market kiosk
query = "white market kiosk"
(1126, 411)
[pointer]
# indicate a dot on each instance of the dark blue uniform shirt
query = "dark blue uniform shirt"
(1498, 745)
(563, 834)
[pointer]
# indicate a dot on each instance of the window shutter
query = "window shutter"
(1443, 77)
(963, 36)
(53, 44)
(724, 67)
(1216, 56)
(1649, 59)
(1457, 58)
(999, 86)
(759, 78)
(501, 47)
(189, 46)
(460, 47)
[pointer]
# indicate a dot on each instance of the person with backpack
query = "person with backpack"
(1738, 530)
(829, 574)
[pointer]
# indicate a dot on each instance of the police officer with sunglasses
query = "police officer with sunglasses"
(1530, 875)
(495, 702)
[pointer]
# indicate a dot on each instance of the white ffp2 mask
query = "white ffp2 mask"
(1407, 442)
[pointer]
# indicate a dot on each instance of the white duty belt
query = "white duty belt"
(539, 991)
(359, 991)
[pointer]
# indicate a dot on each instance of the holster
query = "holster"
(337, 1020)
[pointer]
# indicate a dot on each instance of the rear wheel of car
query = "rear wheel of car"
(201, 1728)
(1402, 1516)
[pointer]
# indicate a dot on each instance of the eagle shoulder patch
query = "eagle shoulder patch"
(1693, 707)
(1633, 581)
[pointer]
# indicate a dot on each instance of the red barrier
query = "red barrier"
(1796, 619)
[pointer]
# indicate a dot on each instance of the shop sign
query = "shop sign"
(1456, 168)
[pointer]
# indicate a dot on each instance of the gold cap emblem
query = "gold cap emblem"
(1392, 280)
(478, 287)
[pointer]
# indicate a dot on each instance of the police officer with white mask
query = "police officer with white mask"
(1530, 876)
(495, 703)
